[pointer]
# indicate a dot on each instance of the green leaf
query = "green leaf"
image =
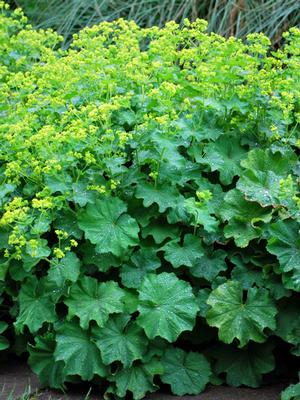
(224, 155)
(236, 206)
(291, 280)
(5, 189)
(68, 268)
(131, 300)
(143, 261)
(36, 306)
(166, 148)
(93, 301)
(244, 366)
(273, 282)
(267, 160)
(103, 261)
(264, 170)
(17, 272)
(291, 393)
(4, 265)
(126, 117)
(195, 127)
(288, 322)
(242, 232)
(262, 187)
(160, 231)
(179, 214)
(236, 318)
(186, 373)
(137, 379)
(167, 306)
(180, 173)
(120, 340)
(58, 183)
(76, 348)
(106, 225)
(185, 255)
(3, 326)
(202, 297)
(202, 214)
(259, 274)
(137, 210)
(35, 251)
(56, 292)
(165, 196)
(246, 274)
(210, 265)
(81, 195)
(242, 215)
(285, 245)
(42, 362)
(66, 222)
(41, 224)
(4, 343)
(37, 248)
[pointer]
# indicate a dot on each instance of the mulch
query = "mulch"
(15, 377)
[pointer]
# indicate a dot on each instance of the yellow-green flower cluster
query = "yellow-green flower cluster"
(15, 211)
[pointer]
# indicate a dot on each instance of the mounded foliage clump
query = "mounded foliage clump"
(149, 206)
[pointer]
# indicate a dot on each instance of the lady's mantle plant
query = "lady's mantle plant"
(149, 197)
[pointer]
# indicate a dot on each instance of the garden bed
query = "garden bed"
(150, 208)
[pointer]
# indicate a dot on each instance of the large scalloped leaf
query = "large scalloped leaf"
(185, 255)
(76, 348)
(103, 261)
(288, 322)
(167, 306)
(209, 265)
(264, 170)
(36, 306)
(285, 244)
(249, 274)
(224, 155)
(292, 392)
(242, 232)
(120, 340)
(236, 206)
(266, 159)
(90, 300)
(160, 231)
(186, 373)
(106, 224)
(142, 262)
(236, 318)
(137, 379)
(202, 214)
(164, 195)
(166, 148)
(242, 217)
(68, 268)
(42, 362)
(244, 366)
(65, 220)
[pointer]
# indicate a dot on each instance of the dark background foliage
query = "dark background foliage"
(226, 17)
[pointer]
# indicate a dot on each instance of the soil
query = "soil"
(16, 377)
